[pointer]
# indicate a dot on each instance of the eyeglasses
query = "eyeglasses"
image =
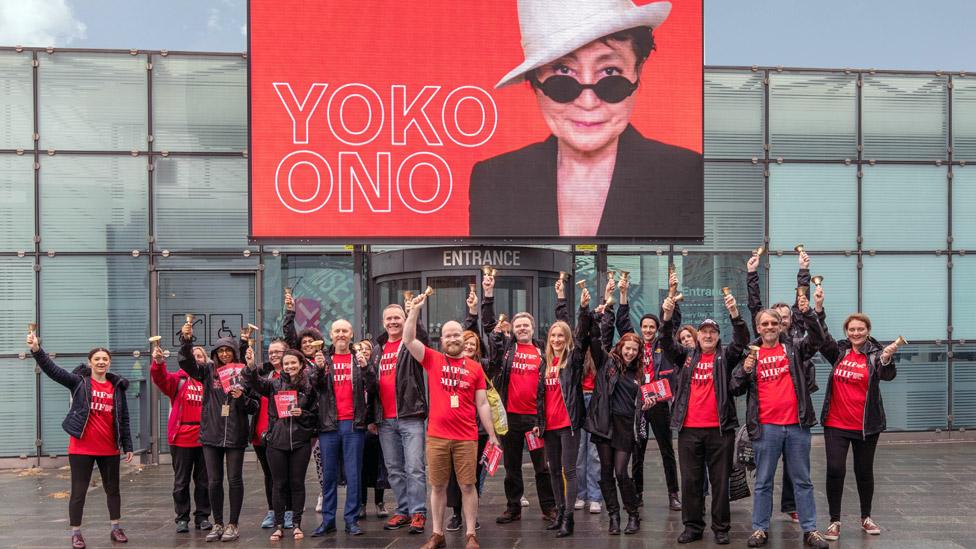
(565, 89)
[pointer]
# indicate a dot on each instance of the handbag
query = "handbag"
(499, 418)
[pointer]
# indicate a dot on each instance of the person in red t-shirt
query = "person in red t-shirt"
(853, 414)
(457, 390)
(98, 424)
(183, 434)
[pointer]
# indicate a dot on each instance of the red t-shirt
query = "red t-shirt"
(262, 420)
(342, 385)
(388, 364)
(702, 405)
(557, 416)
(98, 438)
(447, 377)
(523, 380)
(777, 397)
(849, 392)
(188, 436)
(589, 382)
(648, 362)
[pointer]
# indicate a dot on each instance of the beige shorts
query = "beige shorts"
(444, 454)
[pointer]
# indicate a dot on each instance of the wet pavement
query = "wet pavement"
(925, 496)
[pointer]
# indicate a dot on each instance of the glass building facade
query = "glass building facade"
(123, 206)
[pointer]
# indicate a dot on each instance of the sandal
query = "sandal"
(276, 535)
(298, 533)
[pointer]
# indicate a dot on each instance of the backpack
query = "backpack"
(744, 456)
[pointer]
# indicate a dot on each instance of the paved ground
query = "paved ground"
(925, 497)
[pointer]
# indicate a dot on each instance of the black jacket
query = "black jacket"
(571, 374)
(79, 383)
(800, 352)
(663, 366)
(363, 393)
(289, 432)
(411, 392)
(685, 362)
(233, 430)
(656, 189)
(608, 371)
(874, 414)
(501, 351)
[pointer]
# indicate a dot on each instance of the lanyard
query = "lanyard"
(455, 377)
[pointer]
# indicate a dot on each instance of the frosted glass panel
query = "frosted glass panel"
(813, 116)
(963, 119)
(839, 285)
(963, 297)
(916, 400)
(904, 117)
(963, 207)
(16, 202)
(733, 114)
(16, 101)
(16, 302)
(964, 386)
(814, 205)
(904, 207)
(888, 281)
(18, 421)
(733, 206)
(93, 101)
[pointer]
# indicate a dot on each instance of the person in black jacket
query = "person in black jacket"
(514, 365)
(657, 366)
(98, 424)
(704, 415)
(345, 384)
(224, 428)
(853, 413)
(779, 415)
(288, 437)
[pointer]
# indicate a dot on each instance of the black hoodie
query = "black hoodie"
(289, 432)
(874, 414)
(232, 430)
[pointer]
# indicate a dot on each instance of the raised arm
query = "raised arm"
(288, 323)
(814, 338)
(255, 382)
(185, 358)
(740, 332)
(413, 345)
(168, 382)
(471, 319)
(562, 306)
(672, 350)
(56, 373)
(754, 299)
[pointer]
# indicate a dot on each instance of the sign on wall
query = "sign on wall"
(448, 119)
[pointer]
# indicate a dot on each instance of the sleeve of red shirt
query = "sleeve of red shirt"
(428, 361)
(167, 382)
(479, 381)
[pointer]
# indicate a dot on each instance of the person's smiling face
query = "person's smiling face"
(588, 124)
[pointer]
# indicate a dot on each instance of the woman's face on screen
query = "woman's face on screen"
(588, 124)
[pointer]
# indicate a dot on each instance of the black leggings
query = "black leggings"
(214, 457)
(262, 453)
(562, 447)
(288, 468)
(614, 474)
(81, 472)
(836, 443)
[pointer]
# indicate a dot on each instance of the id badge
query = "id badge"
(455, 401)
(225, 410)
(647, 378)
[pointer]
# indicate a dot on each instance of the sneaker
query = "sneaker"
(815, 539)
(595, 508)
(77, 541)
(722, 538)
(579, 504)
(870, 526)
(454, 524)
(318, 504)
(268, 521)
(793, 516)
(362, 512)
(230, 533)
(182, 526)
(118, 535)
(525, 501)
(674, 502)
(215, 533)
(204, 525)
(757, 539)
(833, 531)
(417, 523)
(324, 529)
(508, 516)
(354, 529)
(381, 511)
(289, 520)
(396, 521)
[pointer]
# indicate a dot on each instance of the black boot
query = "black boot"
(560, 511)
(633, 523)
(614, 529)
(566, 528)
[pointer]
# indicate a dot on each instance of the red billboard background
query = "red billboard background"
(361, 170)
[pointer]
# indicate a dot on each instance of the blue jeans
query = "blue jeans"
(587, 465)
(792, 442)
(346, 442)
(402, 441)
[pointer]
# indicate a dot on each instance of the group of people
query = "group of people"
(579, 389)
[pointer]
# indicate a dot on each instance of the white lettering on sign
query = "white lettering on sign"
(467, 257)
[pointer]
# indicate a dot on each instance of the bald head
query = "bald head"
(452, 338)
(341, 335)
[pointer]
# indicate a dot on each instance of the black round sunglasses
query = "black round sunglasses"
(565, 89)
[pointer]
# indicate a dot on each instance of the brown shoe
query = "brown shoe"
(551, 515)
(472, 542)
(435, 542)
(508, 516)
(118, 535)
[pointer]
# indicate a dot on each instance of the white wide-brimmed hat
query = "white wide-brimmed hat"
(554, 28)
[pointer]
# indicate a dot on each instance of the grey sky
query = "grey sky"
(894, 34)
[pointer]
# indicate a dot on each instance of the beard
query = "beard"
(453, 348)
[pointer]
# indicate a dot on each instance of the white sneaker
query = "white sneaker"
(595, 508)
(525, 501)
(318, 504)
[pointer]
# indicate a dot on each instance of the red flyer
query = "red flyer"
(230, 376)
(492, 457)
(533, 441)
(285, 401)
(660, 389)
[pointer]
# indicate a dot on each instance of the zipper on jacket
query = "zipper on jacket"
(88, 402)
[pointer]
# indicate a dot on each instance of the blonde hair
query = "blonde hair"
(550, 354)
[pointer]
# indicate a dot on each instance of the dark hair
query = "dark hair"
(858, 316)
(779, 304)
(618, 354)
(99, 350)
(308, 332)
(302, 378)
(691, 329)
(641, 39)
(295, 353)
